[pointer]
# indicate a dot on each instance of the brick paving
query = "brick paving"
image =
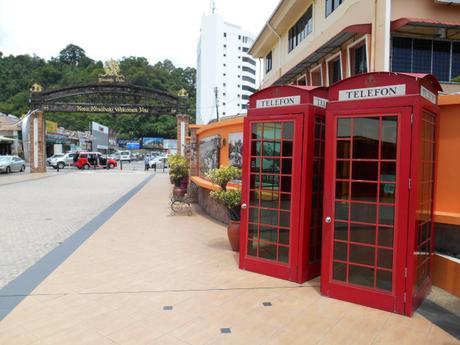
(39, 211)
(146, 277)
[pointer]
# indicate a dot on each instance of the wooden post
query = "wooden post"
(37, 142)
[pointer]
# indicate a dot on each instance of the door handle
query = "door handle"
(244, 206)
(328, 220)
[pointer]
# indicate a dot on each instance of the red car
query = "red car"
(87, 160)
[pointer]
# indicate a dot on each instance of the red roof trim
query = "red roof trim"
(359, 28)
(398, 23)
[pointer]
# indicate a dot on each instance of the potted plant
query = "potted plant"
(230, 198)
(178, 174)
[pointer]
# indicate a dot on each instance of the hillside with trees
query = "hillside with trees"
(73, 67)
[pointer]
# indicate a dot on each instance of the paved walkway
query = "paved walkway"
(146, 277)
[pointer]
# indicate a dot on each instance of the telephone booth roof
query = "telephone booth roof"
(287, 95)
(369, 85)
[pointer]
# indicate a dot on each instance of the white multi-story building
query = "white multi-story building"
(226, 73)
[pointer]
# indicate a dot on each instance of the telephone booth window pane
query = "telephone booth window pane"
(385, 237)
(385, 258)
(364, 213)
(362, 254)
(285, 219)
(344, 128)
(340, 251)
(268, 234)
(341, 210)
(287, 148)
(269, 200)
(257, 130)
(255, 148)
(269, 217)
(272, 130)
(365, 138)
(359, 275)
(252, 248)
(255, 164)
(253, 215)
(384, 280)
(362, 233)
(288, 130)
(387, 193)
(252, 231)
(388, 171)
(339, 271)
(341, 231)
(389, 135)
(254, 198)
(287, 167)
(423, 240)
(342, 190)
(343, 149)
(286, 183)
(271, 148)
(364, 191)
(365, 171)
(285, 201)
(283, 254)
(343, 170)
(267, 251)
(284, 236)
(386, 215)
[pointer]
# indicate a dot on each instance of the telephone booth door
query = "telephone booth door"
(372, 158)
(283, 141)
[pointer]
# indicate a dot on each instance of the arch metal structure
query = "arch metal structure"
(115, 98)
(112, 97)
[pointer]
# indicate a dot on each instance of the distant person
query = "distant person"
(154, 165)
(146, 163)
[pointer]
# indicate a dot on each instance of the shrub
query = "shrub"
(178, 169)
(231, 199)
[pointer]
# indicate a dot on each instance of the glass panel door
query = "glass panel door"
(270, 190)
(366, 175)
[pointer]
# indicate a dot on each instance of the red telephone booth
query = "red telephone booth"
(282, 182)
(378, 192)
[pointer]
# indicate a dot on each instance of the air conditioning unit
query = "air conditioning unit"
(447, 2)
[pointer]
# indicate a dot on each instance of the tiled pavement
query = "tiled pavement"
(146, 277)
(39, 211)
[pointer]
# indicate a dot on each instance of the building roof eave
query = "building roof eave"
(327, 48)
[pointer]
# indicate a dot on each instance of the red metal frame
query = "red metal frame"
(409, 108)
(303, 114)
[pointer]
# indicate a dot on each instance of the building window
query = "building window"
(358, 59)
(249, 79)
(301, 29)
(248, 69)
(334, 70)
(302, 81)
(244, 106)
(316, 77)
(245, 49)
(268, 62)
(415, 55)
(245, 97)
(239, 37)
(249, 60)
(225, 34)
(331, 5)
(248, 88)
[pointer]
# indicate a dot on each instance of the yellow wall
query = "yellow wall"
(222, 128)
(447, 197)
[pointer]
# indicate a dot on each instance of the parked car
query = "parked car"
(125, 156)
(160, 162)
(87, 160)
(61, 160)
(12, 163)
(115, 155)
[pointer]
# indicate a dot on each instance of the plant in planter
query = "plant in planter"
(230, 198)
(178, 174)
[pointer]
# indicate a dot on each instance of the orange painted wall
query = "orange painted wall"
(447, 197)
(446, 274)
(222, 128)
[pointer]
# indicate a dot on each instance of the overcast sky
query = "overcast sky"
(107, 29)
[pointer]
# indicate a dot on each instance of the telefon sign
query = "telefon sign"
(278, 102)
(372, 92)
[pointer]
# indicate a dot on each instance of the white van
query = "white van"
(125, 156)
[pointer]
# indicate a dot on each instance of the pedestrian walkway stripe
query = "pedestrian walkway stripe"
(15, 291)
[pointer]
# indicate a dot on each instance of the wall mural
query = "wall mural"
(235, 149)
(209, 153)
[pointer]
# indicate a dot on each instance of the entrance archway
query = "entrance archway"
(111, 95)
